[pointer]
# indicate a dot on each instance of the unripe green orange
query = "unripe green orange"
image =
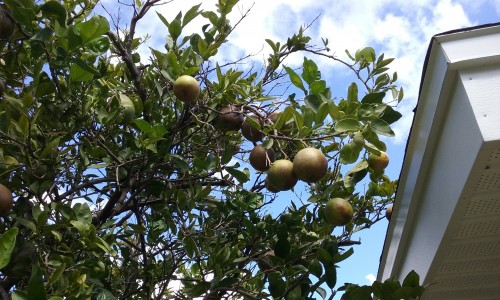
(186, 88)
(310, 165)
(281, 175)
(338, 211)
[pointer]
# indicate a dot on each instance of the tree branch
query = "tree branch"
(126, 55)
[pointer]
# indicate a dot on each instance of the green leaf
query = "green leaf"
(373, 141)
(36, 289)
(93, 28)
(99, 45)
(308, 115)
(295, 293)
(315, 268)
(349, 153)
(175, 29)
(282, 247)
(318, 87)
(77, 73)
(295, 79)
(53, 9)
(378, 71)
(283, 117)
(373, 98)
(74, 39)
(57, 274)
(390, 115)
(359, 293)
(400, 94)
(44, 85)
(26, 223)
(241, 176)
(203, 193)
(334, 111)
(253, 122)
(180, 163)
(411, 280)
(352, 92)
(162, 18)
(349, 54)
(369, 111)
(356, 174)
(105, 295)
(158, 131)
(82, 227)
(404, 293)
(341, 257)
(276, 284)
(172, 61)
(347, 125)
(19, 295)
(322, 113)
(310, 72)
(43, 35)
(330, 275)
(143, 125)
(7, 243)
(99, 242)
(381, 127)
(202, 46)
(192, 13)
(367, 54)
(22, 11)
(324, 256)
(83, 213)
(210, 15)
(386, 289)
(313, 101)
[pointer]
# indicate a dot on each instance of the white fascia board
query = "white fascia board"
(471, 48)
(413, 223)
(480, 83)
(404, 206)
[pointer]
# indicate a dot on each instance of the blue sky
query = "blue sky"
(398, 28)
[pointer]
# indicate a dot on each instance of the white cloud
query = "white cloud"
(371, 278)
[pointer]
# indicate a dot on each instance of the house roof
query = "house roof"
(446, 219)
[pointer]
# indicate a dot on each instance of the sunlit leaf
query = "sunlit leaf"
(294, 78)
(7, 243)
(382, 127)
(347, 125)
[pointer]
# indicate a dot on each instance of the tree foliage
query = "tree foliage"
(124, 192)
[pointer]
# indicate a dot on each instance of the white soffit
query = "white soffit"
(446, 219)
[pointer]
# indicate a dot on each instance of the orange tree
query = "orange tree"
(130, 184)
